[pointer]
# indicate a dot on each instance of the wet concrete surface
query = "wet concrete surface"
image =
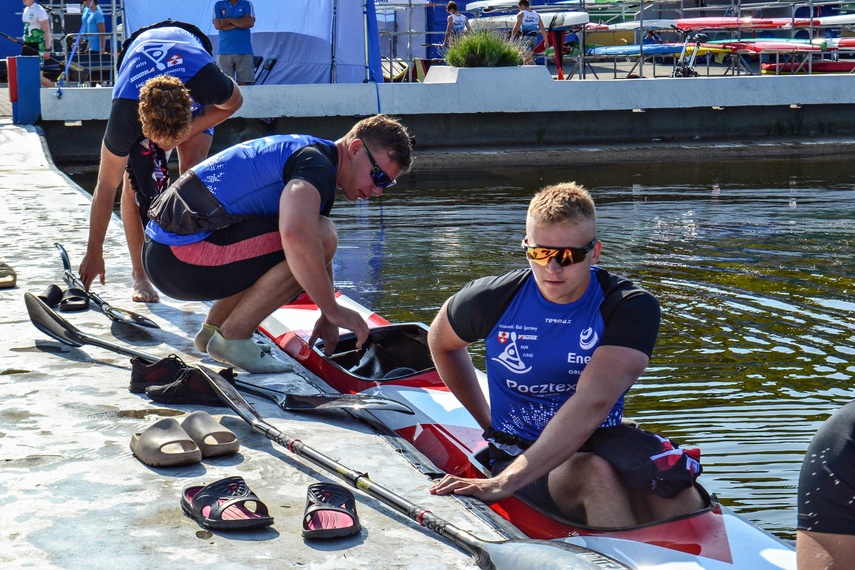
(74, 496)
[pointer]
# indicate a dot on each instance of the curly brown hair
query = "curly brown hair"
(389, 135)
(165, 109)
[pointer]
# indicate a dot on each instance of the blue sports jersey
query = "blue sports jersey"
(159, 51)
(535, 355)
(248, 180)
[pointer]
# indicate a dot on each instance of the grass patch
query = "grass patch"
(484, 48)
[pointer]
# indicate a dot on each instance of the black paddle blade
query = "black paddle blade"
(114, 314)
(46, 321)
(315, 402)
(125, 316)
(321, 402)
(545, 555)
(229, 395)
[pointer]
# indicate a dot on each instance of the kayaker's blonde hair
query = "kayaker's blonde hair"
(165, 109)
(564, 202)
(387, 134)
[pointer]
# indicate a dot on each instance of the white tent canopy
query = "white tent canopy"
(314, 41)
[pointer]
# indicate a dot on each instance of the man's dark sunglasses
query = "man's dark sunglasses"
(564, 255)
(380, 178)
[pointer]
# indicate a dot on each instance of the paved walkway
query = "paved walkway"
(73, 494)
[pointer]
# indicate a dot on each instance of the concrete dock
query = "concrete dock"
(74, 496)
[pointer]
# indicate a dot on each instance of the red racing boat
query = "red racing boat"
(396, 364)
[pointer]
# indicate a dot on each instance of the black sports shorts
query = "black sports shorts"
(225, 263)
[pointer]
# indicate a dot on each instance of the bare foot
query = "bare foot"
(144, 291)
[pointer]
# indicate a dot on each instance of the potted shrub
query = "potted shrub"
(488, 60)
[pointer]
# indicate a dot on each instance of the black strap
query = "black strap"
(505, 438)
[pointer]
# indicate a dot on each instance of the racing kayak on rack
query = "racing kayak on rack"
(395, 363)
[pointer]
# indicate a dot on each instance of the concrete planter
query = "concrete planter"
(519, 85)
(499, 77)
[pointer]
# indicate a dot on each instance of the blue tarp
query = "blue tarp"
(314, 41)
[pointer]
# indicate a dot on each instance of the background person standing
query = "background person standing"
(457, 23)
(94, 29)
(528, 23)
(36, 34)
(234, 19)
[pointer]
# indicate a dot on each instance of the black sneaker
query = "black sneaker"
(162, 372)
(191, 387)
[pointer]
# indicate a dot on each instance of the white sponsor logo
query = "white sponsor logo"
(588, 339)
(157, 51)
(550, 388)
(143, 74)
(573, 358)
(510, 358)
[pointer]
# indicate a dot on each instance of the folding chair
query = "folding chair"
(264, 70)
(256, 61)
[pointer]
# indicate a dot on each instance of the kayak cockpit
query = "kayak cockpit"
(392, 352)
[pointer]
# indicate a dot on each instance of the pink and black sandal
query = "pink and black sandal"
(330, 512)
(227, 504)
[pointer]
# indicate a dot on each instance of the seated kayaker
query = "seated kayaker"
(826, 512)
(565, 340)
(249, 228)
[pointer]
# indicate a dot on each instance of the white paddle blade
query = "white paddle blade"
(545, 555)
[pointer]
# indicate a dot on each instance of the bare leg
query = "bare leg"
(823, 551)
(144, 291)
(222, 308)
(267, 294)
(193, 151)
(658, 508)
(586, 486)
(274, 288)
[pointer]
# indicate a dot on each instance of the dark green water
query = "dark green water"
(751, 262)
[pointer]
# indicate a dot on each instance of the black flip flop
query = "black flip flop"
(226, 504)
(52, 296)
(74, 300)
(330, 512)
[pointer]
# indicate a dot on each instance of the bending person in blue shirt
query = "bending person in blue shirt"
(168, 95)
(249, 229)
(565, 340)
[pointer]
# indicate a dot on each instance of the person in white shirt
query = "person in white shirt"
(457, 23)
(528, 23)
(37, 40)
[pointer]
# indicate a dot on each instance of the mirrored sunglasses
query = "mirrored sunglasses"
(564, 255)
(380, 178)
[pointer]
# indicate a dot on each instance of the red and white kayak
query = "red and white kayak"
(396, 364)
(772, 46)
(821, 66)
(741, 23)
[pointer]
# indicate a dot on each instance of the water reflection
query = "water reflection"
(751, 262)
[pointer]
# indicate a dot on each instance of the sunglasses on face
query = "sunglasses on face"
(564, 255)
(380, 178)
